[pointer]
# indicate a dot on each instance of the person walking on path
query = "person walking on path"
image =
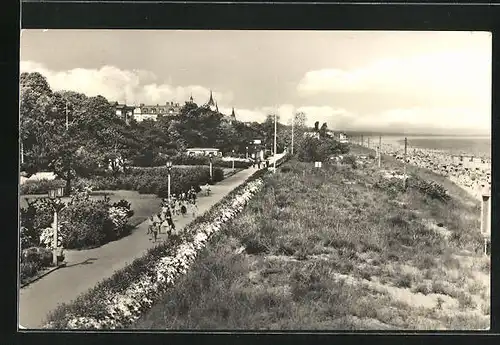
(155, 231)
(150, 225)
(170, 221)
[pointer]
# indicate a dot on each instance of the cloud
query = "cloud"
(446, 78)
(133, 87)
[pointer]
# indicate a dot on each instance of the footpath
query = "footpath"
(86, 268)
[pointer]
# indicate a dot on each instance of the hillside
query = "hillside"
(343, 247)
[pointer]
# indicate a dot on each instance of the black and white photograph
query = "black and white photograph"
(260, 180)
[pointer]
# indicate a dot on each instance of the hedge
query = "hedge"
(41, 186)
(155, 180)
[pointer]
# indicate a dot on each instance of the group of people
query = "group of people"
(177, 205)
(257, 163)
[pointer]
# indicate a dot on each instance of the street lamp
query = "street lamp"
(275, 131)
(233, 159)
(55, 198)
(210, 156)
(169, 170)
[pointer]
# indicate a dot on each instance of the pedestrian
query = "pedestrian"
(154, 229)
(170, 221)
(258, 164)
(183, 209)
(150, 225)
(267, 163)
(194, 207)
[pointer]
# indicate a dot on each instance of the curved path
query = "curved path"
(86, 268)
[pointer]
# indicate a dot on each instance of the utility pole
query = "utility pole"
(22, 151)
(67, 124)
(293, 121)
(404, 167)
(379, 150)
(275, 132)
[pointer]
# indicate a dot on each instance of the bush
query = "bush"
(350, 160)
(36, 217)
(429, 188)
(41, 186)
(33, 260)
(318, 150)
(88, 223)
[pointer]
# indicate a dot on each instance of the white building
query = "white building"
(200, 151)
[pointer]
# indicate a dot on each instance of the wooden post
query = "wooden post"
(379, 150)
(404, 166)
(486, 217)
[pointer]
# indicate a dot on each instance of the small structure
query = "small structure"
(197, 151)
(343, 138)
(486, 216)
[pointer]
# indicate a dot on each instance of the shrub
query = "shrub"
(85, 224)
(429, 188)
(318, 150)
(41, 186)
(350, 160)
(32, 260)
(34, 218)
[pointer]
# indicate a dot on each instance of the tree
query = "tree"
(36, 120)
(316, 126)
(322, 131)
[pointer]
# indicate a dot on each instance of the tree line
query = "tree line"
(73, 135)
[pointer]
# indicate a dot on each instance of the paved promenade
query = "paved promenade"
(86, 268)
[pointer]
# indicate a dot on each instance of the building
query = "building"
(123, 111)
(343, 138)
(230, 118)
(151, 112)
(198, 151)
(311, 135)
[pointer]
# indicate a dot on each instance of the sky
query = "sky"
(389, 81)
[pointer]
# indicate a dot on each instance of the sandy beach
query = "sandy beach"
(473, 174)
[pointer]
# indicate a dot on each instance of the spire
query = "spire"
(191, 98)
(216, 107)
(211, 100)
(233, 114)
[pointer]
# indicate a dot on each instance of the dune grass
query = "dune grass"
(312, 251)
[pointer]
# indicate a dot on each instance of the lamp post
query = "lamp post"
(210, 156)
(233, 160)
(275, 131)
(169, 170)
(55, 197)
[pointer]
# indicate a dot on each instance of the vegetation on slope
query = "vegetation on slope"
(328, 249)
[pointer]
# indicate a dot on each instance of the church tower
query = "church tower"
(211, 103)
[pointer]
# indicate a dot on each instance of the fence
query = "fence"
(454, 166)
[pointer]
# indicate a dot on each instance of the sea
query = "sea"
(479, 146)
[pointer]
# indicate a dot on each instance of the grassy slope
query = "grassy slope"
(321, 254)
